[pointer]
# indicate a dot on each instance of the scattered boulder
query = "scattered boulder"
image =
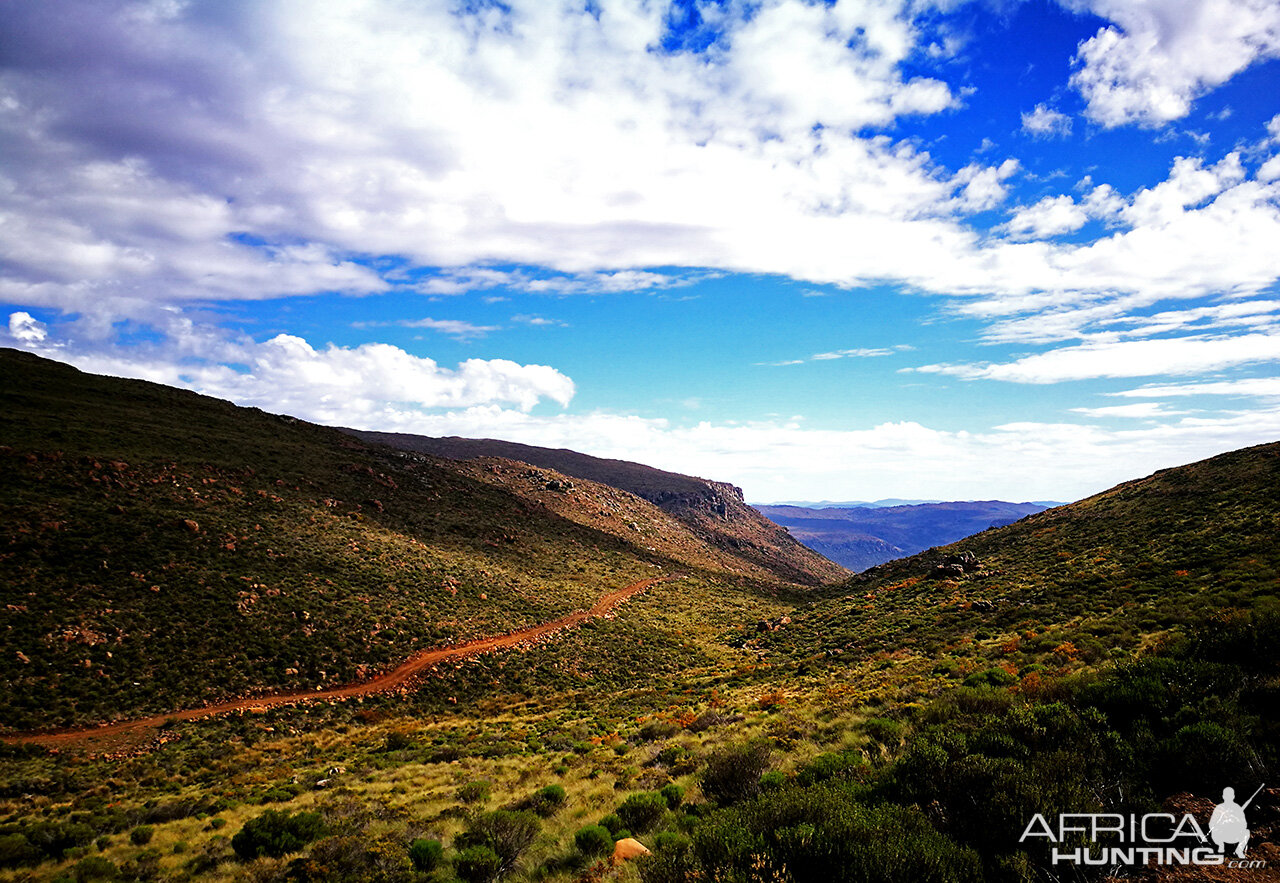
(628, 848)
(191, 525)
(955, 566)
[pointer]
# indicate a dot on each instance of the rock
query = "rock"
(191, 525)
(628, 848)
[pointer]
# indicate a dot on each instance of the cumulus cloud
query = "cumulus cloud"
(286, 374)
(1044, 122)
(1159, 56)
(24, 328)
(1048, 217)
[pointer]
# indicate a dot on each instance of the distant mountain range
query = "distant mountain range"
(862, 535)
(879, 504)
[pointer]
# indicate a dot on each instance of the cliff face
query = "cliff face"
(715, 511)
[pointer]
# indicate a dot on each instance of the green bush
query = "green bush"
(733, 773)
(813, 834)
(613, 823)
(478, 864)
(276, 833)
(425, 854)
(593, 840)
(546, 800)
(16, 849)
(508, 833)
(640, 812)
(991, 677)
(833, 764)
(94, 868)
(475, 792)
(673, 794)
(141, 835)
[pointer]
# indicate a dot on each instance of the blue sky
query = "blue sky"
(824, 250)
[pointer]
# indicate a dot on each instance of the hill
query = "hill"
(1149, 555)
(714, 511)
(1118, 655)
(863, 536)
(164, 549)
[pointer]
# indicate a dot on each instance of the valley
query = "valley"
(260, 649)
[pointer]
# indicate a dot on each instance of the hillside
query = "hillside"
(864, 536)
(1117, 655)
(1146, 556)
(713, 511)
(164, 549)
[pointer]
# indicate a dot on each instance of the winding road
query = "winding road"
(122, 735)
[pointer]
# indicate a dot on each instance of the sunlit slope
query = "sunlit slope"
(713, 511)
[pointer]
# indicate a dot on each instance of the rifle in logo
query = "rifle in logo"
(1228, 824)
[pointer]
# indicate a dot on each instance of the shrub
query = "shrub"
(475, 792)
(276, 833)
(507, 833)
(593, 840)
(673, 794)
(141, 835)
(546, 800)
(612, 823)
(425, 854)
(15, 849)
(478, 864)
(733, 772)
(640, 812)
(991, 677)
(94, 868)
(833, 764)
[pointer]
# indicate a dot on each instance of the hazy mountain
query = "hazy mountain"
(860, 537)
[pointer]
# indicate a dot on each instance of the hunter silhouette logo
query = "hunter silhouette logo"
(1228, 824)
(1159, 838)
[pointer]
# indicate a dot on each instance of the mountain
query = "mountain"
(862, 537)
(713, 511)
(847, 504)
(163, 548)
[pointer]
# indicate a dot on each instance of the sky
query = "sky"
(822, 250)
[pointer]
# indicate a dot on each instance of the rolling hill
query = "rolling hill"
(164, 549)
(1115, 655)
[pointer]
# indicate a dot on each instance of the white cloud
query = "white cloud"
(1263, 387)
(1048, 217)
(1138, 410)
(336, 385)
(25, 328)
(1160, 55)
(1128, 358)
(1046, 122)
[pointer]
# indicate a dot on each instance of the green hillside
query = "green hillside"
(163, 549)
(1104, 574)
(1116, 655)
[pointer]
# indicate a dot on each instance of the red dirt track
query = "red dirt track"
(123, 735)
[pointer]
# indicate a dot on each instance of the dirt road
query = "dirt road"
(123, 735)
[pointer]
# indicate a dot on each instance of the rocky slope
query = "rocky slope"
(714, 511)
